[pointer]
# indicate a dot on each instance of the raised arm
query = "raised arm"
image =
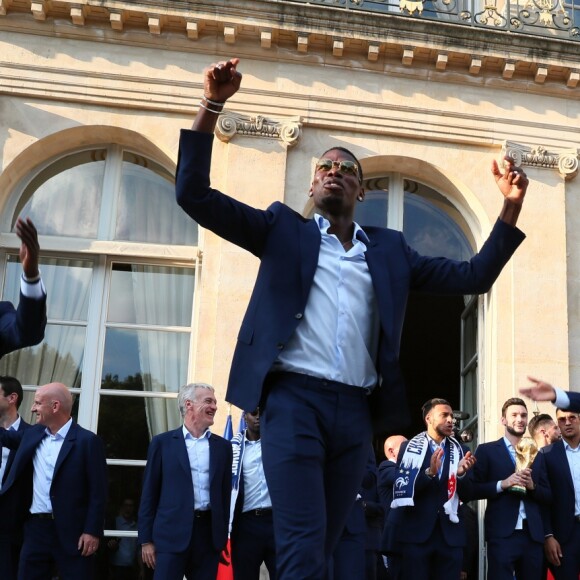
(220, 82)
(513, 184)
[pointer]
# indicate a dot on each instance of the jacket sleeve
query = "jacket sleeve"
(150, 492)
(23, 326)
(227, 217)
(97, 481)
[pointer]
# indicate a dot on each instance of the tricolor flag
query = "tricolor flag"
(225, 571)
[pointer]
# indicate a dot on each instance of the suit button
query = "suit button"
(298, 315)
(279, 346)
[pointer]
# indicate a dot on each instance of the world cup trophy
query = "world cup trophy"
(526, 451)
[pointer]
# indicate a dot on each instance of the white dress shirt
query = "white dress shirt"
(44, 462)
(198, 454)
(573, 456)
(337, 338)
(256, 494)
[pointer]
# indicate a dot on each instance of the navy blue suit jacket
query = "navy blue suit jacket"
(23, 326)
(288, 247)
(167, 501)
(494, 463)
(415, 524)
(574, 402)
(15, 503)
(559, 519)
(386, 479)
(79, 485)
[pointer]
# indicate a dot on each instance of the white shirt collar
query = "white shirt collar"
(187, 435)
(62, 432)
(323, 225)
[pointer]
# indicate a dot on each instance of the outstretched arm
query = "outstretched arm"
(513, 184)
(539, 390)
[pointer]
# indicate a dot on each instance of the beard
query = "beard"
(515, 433)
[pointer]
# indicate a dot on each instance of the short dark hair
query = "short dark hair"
(348, 152)
(538, 422)
(12, 385)
(566, 411)
(428, 405)
(512, 401)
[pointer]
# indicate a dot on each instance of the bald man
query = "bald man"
(67, 467)
(386, 480)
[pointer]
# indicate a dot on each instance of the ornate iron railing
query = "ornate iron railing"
(549, 18)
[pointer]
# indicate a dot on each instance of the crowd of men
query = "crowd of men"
(409, 518)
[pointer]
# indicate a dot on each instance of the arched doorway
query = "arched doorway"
(437, 358)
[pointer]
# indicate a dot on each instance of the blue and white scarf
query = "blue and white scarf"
(413, 457)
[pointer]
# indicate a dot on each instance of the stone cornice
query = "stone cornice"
(565, 160)
(285, 31)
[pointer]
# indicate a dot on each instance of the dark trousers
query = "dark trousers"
(42, 552)
(434, 559)
(315, 442)
(569, 568)
(199, 562)
(9, 555)
(518, 553)
(252, 544)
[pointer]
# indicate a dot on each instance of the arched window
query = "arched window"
(439, 347)
(118, 262)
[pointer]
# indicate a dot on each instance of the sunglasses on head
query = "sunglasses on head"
(345, 166)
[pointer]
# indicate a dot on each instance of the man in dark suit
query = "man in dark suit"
(185, 500)
(67, 467)
(25, 325)
(323, 324)
(541, 391)
(562, 520)
(252, 526)
(513, 521)
(12, 504)
(430, 532)
(386, 480)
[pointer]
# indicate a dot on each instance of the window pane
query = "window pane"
(374, 210)
(67, 284)
(428, 227)
(152, 295)
(58, 358)
(124, 484)
(147, 210)
(127, 424)
(64, 199)
(147, 360)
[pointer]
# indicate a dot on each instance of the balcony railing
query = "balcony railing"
(548, 18)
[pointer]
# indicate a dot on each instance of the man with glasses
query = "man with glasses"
(323, 326)
(562, 522)
(12, 504)
(25, 325)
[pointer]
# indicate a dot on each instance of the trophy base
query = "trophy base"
(517, 489)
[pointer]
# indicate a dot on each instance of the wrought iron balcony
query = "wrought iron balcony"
(548, 18)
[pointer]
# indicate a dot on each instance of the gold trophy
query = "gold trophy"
(526, 451)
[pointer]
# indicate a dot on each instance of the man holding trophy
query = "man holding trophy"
(511, 476)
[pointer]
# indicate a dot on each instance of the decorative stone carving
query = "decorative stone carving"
(230, 124)
(566, 161)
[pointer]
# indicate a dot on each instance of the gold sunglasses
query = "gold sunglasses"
(346, 167)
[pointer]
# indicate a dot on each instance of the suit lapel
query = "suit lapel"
(309, 240)
(563, 460)
(377, 263)
(181, 451)
(67, 445)
(12, 453)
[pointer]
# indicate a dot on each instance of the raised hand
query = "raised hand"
(512, 181)
(221, 80)
(30, 249)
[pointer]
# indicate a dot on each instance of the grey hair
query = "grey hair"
(188, 392)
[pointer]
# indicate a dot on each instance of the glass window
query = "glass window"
(119, 321)
(64, 199)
